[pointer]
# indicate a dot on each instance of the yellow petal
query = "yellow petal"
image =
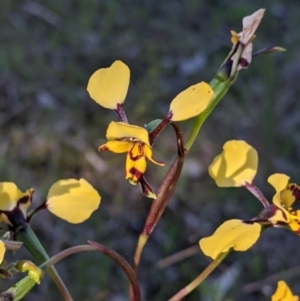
(191, 102)
(234, 37)
(121, 130)
(2, 250)
(148, 153)
(232, 234)
(283, 293)
(9, 195)
(10, 198)
(235, 166)
(73, 200)
(109, 86)
(281, 198)
(135, 163)
(294, 222)
(285, 192)
(116, 146)
(34, 272)
(290, 194)
(279, 181)
(279, 215)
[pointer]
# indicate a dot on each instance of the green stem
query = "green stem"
(33, 245)
(19, 290)
(197, 281)
(220, 86)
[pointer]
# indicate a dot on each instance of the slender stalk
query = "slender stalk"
(197, 281)
(121, 113)
(19, 290)
(33, 245)
(164, 194)
(220, 85)
(258, 194)
(158, 129)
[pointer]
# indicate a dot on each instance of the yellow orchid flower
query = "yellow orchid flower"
(283, 293)
(235, 166)
(285, 196)
(134, 140)
(14, 204)
(108, 86)
(2, 250)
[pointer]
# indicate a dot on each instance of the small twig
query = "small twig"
(257, 285)
(161, 264)
(42, 12)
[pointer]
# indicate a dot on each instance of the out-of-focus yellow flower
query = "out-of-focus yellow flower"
(283, 293)
(191, 102)
(73, 200)
(34, 272)
(134, 140)
(2, 250)
(108, 86)
(235, 166)
(14, 204)
(233, 234)
(284, 198)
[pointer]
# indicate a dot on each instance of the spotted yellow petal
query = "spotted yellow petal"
(290, 194)
(148, 153)
(2, 250)
(109, 86)
(9, 195)
(10, 199)
(73, 200)
(191, 102)
(116, 146)
(286, 194)
(136, 163)
(235, 166)
(283, 293)
(121, 130)
(232, 234)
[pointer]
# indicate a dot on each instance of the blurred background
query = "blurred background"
(51, 129)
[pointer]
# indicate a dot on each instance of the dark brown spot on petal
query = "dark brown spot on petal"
(243, 63)
(135, 173)
(15, 216)
(103, 148)
(140, 153)
(295, 190)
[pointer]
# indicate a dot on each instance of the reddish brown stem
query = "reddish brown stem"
(135, 294)
(121, 113)
(164, 194)
(257, 193)
(158, 129)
